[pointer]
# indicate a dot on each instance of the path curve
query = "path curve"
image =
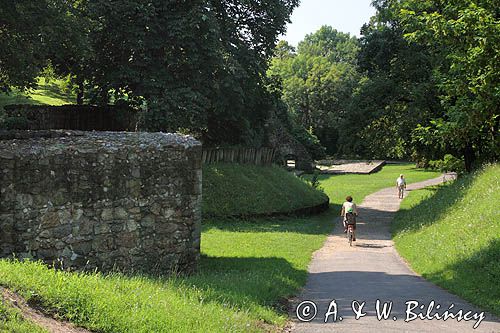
(371, 270)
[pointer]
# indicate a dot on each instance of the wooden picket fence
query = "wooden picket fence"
(257, 156)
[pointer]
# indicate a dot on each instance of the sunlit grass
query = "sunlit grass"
(47, 93)
(451, 235)
(248, 190)
(12, 321)
(337, 187)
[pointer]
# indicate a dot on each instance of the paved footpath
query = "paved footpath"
(372, 270)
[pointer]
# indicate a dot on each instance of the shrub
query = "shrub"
(315, 180)
(448, 163)
(14, 123)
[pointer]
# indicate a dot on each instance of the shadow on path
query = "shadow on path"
(373, 270)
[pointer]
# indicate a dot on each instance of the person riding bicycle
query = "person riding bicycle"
(349, 212)
(401, 186)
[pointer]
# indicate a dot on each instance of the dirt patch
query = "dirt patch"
(29, 313)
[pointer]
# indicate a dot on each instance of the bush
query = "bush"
(448, 163)
(315, 183)
(14, 123)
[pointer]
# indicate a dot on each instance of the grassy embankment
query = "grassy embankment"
(253, 190)
(48, 93)
(11, 321)
(451, 236)
(248, 267)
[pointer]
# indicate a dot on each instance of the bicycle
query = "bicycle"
(350, 232)
(350, 222)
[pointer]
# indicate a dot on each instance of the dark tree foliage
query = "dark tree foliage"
(196, 66)
(248, 33)
(163, 53)
(29, 31)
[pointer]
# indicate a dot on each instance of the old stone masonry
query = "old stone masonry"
(130, 201)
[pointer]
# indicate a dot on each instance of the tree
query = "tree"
(466, 35)
(160, 52)
(399, 91)
(28, 34)
(336, 46)
(248, 33)
(196, 65)
(318, 81)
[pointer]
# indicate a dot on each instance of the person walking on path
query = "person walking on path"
(401, 186)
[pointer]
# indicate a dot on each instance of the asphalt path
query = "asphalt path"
(341, 278)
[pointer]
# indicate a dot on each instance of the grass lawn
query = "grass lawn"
(48, 93)
(248, 270)
(337, 187)
(451, 236)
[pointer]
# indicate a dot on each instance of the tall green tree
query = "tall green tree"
(247, 31)
(162, 52)
(399, 91)
(318, 81)
(466, 36)
(197, 66)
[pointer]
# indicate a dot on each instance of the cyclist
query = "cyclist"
(401, 186)
(349, 207)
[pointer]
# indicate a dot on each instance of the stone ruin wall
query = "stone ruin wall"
(126, 201)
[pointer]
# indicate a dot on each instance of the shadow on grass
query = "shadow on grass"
(474, 278)
(433, 208)
(247, 281)
(52, 90)
(312, 224)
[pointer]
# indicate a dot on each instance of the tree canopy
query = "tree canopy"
(465, 35)
(421, 83)
(318, 81)
(197, 66)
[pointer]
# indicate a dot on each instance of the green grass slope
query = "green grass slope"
(11, 320)
(239, 189)
(47, 93)
(451, 236)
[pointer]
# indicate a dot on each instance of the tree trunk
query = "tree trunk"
(79, 93)
(469, 157)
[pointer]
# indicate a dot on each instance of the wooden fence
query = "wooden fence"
(258, 156)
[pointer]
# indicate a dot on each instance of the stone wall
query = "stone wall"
(130, 201)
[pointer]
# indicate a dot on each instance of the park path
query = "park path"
(371, 270)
